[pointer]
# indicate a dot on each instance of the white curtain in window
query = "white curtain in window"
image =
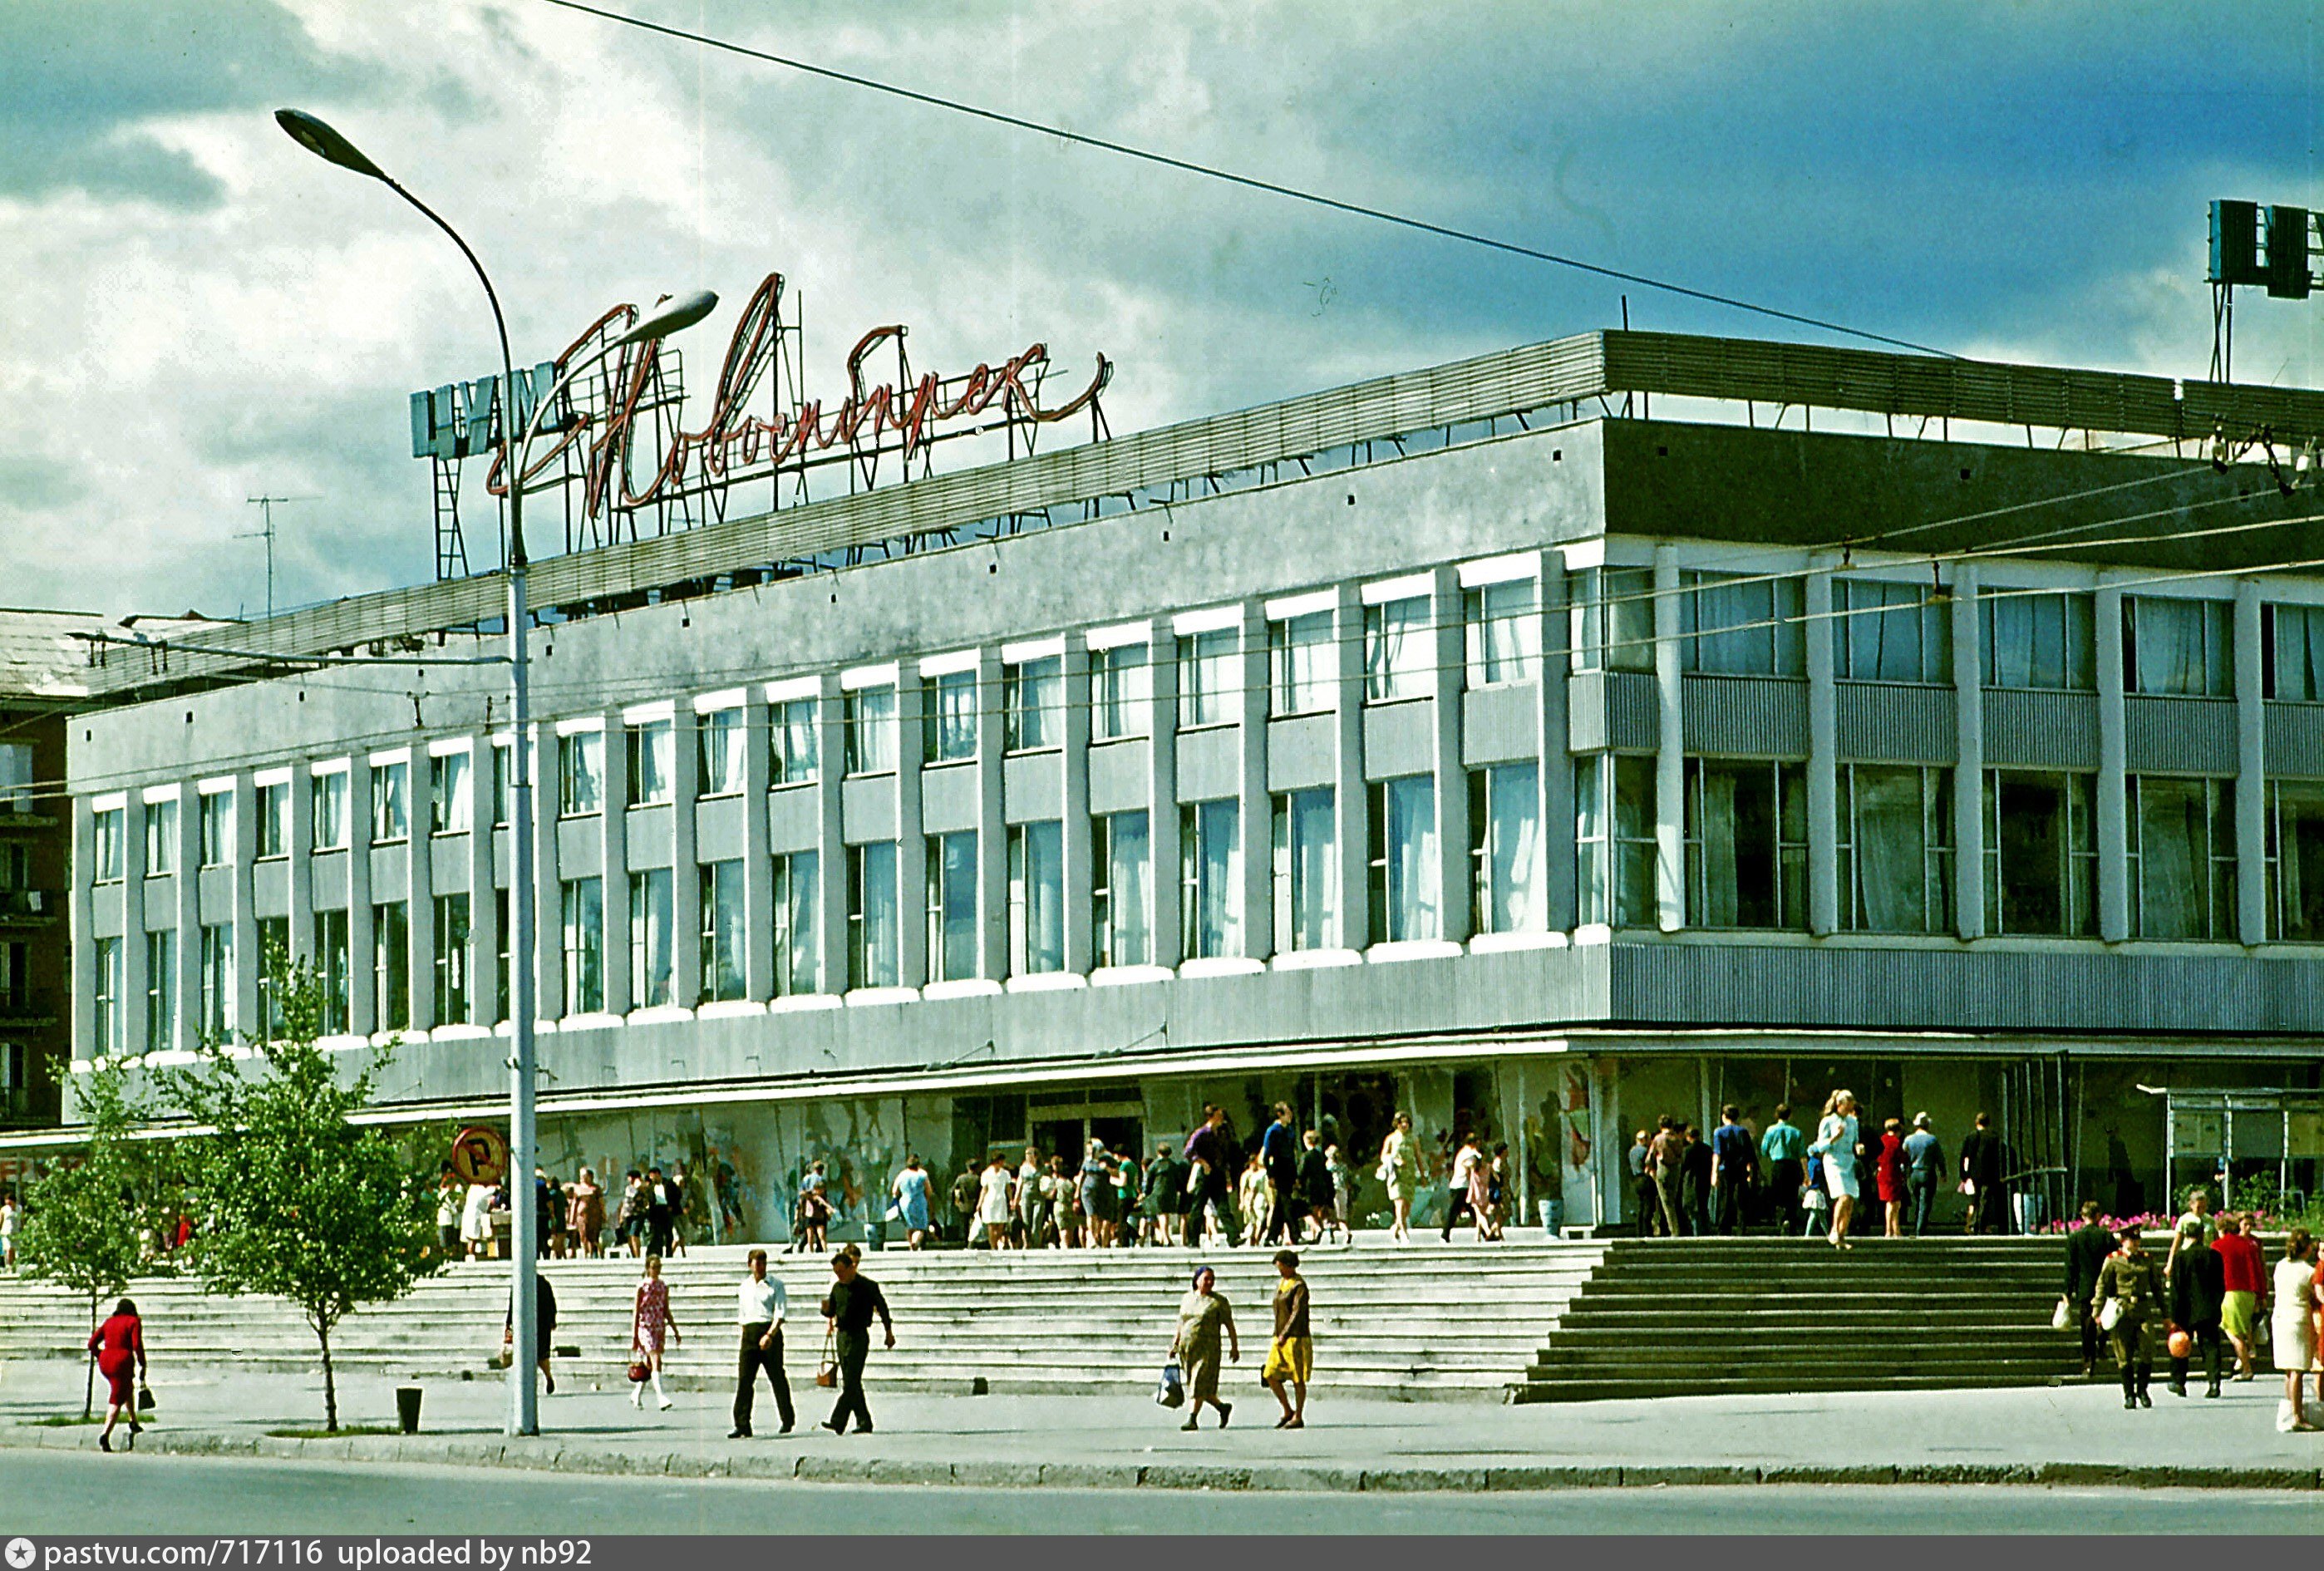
(1314, 888)
(2300, 860)
(1037, 716)
(1219, 879)
(1732, 623)
(797, 890)
(1130, 885)
(1722, 878)
(1413, 907)
(2168, 645)
(2174, 858)
(880, 913)
(1124, 684)
(1395, 655)
(1891, 850)
(1042, 944)
(795, 742)
(954, 872)
(1520, 904)
(649, 940)
(721, 752)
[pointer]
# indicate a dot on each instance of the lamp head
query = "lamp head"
(317, 138)
(672, 316)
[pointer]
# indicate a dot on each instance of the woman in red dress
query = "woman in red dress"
(1889, 1171)
(119, 1346)
(648, 1318)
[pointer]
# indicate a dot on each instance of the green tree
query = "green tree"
(298, 1202)
(86, 1223)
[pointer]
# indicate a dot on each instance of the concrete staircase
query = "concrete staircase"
(1702, 1315)
(1421, 1322)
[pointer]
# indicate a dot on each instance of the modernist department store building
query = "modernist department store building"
(1625, 724)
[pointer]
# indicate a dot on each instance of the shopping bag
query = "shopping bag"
(1171, 1390)
(2061, 1318)
(826, 1370)
(2109, 1314)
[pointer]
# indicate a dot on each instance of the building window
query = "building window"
(217, 983)
(1615, 851)
(391, 803)
(1405, 878)
(107, 1013)
(718, 752)
(216, 827)
(1121, 688)
(1033, 703)
(1896, 848)
(273, 959)
(724, 979)
(161, 992)
(948, 720)
(332, 963)
(2182, 857)
(798, 924)
(871, 915)
(1306, 870)
(390, 967)
(1884, 632)
(584, 912)
(651, 751)
(2182, 647)
(503, 942)
(1747, 844)
(652, 947)
(1303, 664)
(451, 960)
(1122, 904)
(1502, 626)
(1612, 619)
(449, 809)
(16, 776)
(869, 720)
(503, 781)
(1505, 851)
(2292, 652)
(794, 756)
(1399, 652)
(1036, 898)
(2040, 853)
(1207, 685)
(1210, 879)
(1742, 625)
(952, 906)
(581, 773)
(274, 819)
(2295, 860)
(15, 868)
(108, 858)
(160, 838)
(327, 801)
(2037, 641)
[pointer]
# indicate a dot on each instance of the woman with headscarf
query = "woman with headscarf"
(1202, 1315)
(119, 1347)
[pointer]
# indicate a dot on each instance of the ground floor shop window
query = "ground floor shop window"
(1747, 844)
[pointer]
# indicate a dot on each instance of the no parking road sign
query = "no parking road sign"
(480, 1155)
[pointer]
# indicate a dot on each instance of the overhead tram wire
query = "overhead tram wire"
(1249, 182)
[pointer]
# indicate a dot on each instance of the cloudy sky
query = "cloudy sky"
(194, 311)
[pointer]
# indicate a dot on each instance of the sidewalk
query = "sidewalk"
(2074, 1435)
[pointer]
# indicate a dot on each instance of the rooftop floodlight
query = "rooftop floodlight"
(317, 138)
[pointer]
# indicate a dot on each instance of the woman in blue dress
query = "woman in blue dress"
(912, 1201)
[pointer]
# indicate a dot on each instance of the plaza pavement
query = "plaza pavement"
(2073, 1435)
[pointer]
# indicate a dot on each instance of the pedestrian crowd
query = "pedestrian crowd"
(653, 1214)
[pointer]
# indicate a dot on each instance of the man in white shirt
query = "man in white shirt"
(758, 1311)
(1464, 1164)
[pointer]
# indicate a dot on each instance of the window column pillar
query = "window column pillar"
(1670, 748)
(1449, 643)
(1969, 759)
(834, 942)
(758, 856)
(1077, 840)
(1350, 793)
(614, 866)
(991, 822)
(1561, 899)
(2114, 784)
(1162, 792)
(911, 824)
(685, 867)
(1256, 808)
(2251, 770)
(1824, 894)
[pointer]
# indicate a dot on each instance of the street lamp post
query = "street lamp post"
(324, 142)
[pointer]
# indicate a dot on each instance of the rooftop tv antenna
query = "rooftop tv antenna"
(265, 531)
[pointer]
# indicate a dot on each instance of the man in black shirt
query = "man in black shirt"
(854, 1300)
(661, 1211)
(1981, 1169)
(1209, 1149)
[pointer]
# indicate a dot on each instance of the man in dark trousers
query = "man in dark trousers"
(1644, 1203)
(965, 1188)
(1695, 1186)
(1732, 1155)
(1209, 1149)
(544, 1298)
(759, 1312)
(661, 1211)
(1981, 1171)
(2087, 1248)
(1279, 1153)
(853, 1300)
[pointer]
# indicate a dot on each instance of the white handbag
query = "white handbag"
(2062, 1318)
(2109, 1314)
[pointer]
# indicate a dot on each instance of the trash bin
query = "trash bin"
(875, 1233)
(1553, 1216)
(407, 1407)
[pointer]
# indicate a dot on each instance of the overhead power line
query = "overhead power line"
(1249, 182)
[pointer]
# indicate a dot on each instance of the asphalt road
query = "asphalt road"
(46, 1492)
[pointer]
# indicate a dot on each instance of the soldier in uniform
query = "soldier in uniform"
(2134, 1279)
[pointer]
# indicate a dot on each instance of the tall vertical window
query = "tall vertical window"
(1405, 880)
(868, 718)
(1033, 703)
(1884, 632)
(718, 746)
(2182, 647)
(216, 827)
(1210, 879)
(650, 750)
(1614, 840)
(1306, 870)
(2026, 639)
(949, 717)
(1303, 664)
(108, 995)
(1502, 626)
(161, 992)
(2040, 853)
(1895, 850)
(2182, 857)
(1122, 685)
(504, 943)
(327, 801)
(1742, 625)
(216, 1024)
(1122, 906)
(391, 965)
(1611, 618)
(450, 810)
(391, 802)
(274, 819)
(273, 954)
(1398, 651)
(1207, 682)
(108, 849)
(2295, 860)
(1505, 892)
(871, 915)
(160, 838)
(1036, 898)
(653, 943)
(798, 924)
(583, 906)
(792, 742)
(503, 781)
(332, 965)
(2292, 652)
(451, 960)
(952, 906)
(1747, 844)
(581, 773)
(16, 776)
(722, 976)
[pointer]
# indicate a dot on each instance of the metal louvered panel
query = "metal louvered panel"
(1895, 723)
(2039, 730)
(2180, 736)
(2295, 740)
(1747, 717)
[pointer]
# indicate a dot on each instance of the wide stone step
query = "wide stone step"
(1619, 1390)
